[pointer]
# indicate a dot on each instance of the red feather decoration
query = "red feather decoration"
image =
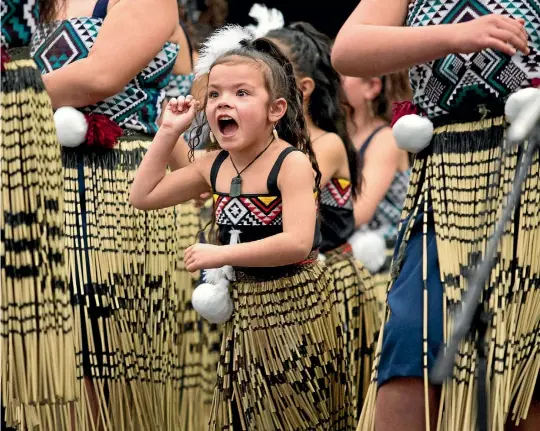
(400, 109)
(102, 131)
(5, 57)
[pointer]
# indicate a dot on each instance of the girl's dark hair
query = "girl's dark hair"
(47, 9)
(213, 12)
(280, 82)
(395, 88)
(199, 33)
(309, 52)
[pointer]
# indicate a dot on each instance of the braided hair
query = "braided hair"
(309, 52)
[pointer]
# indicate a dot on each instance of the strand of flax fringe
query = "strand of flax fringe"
(38, 348)
(465, 215)
(358, 302)
(127, 303)
(142, 369)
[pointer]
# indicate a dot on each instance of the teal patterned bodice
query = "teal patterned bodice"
(19, 22)
(460, 80)
(138, 105)
(179, 85)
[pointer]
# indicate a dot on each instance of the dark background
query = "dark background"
(326, 16)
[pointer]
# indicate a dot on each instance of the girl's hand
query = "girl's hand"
(179, 114)
(497, 32)
(204, 256)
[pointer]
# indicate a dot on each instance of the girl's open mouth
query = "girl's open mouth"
(227, 125)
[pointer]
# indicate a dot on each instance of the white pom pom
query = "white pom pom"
(413, 133)
(213, 302)
(321, 257)
(369, 248)
(267, 20)
(219, 43)
(518, 100)
(71, 126)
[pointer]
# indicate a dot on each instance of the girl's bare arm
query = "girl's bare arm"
(132, 34)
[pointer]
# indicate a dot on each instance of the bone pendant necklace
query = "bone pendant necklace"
(236, 182)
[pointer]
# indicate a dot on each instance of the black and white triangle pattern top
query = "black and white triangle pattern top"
(257, 216)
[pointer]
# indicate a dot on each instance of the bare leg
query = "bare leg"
(400, 406)
(532, 423)
(72, 416)
(93, 406)
(93, 420)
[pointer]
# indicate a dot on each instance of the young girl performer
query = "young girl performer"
(385, 168)
(464, 65)
(309, 52)
(282, 364)
(37, 338)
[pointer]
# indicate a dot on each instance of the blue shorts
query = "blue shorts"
(402, 353)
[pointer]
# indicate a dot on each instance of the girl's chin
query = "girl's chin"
(230, 143)
(234, 146)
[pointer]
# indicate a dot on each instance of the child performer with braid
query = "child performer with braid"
(309, 52)
(282, 365)
(471, 62)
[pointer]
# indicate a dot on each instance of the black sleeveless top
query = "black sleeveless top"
(257, 216)
(337, 215)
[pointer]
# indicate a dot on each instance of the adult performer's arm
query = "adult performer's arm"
(133, 32)
(373, 41)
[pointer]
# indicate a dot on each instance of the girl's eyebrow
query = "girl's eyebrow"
(231, 85)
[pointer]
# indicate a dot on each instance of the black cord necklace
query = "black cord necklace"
(236, 182)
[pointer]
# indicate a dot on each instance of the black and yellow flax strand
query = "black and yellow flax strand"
(283, 364)
(37, 325)
(360, 313)
(465, 176)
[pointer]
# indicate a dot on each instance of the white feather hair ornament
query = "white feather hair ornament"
(267, 20)
(218, 44)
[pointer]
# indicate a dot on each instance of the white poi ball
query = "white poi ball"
(71, 126)
(518, 100)
(213, 302)
(413, 133)
(369, 248)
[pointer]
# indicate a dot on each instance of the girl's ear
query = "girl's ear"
(306, 86)
(278, 108)
(373, 88)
